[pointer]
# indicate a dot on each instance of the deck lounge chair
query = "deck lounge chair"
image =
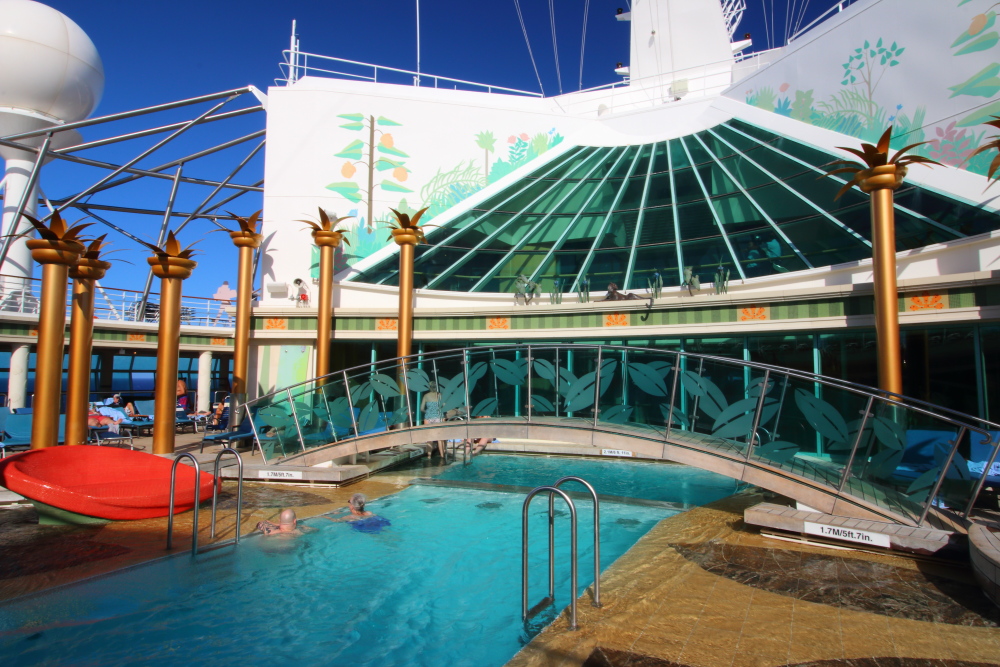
(241, 433)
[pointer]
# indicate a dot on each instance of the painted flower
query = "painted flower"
(511, 139)
(347, 170)
(783, 87)
(524, 136)
(399, 173)
(386, 140)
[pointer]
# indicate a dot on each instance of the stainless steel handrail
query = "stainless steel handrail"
(524, 555)
(197, 499)
(597, 532)
(239, 489)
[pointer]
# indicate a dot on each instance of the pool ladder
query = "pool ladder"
(528, 614)
(215, 498)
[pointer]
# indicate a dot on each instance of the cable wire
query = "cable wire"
(583, 39)
(524, 30)
(555, 47)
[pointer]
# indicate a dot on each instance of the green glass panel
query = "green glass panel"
(620, 230)
(716, 181)
(964, 218)
(686, 186)
(525, 197)
(698, 154)
(577, 198)
(789, 351)
(632, 199)
(858, 218)
(571, 164)
(642, 165)
(821, 191)
(621, 171)
(742, 144)
(678, 157)
(514, 232)
(833, 246)
(660, 162)
(737, 214)
(472, 236)
(781, 204)
(913, 232)
(705, 256)
(660, 259)
(517, 264)
(763, 253)
(562, 264)
(781, 166)
(608, 266)
(657, 226)
(548, 232)
(469, 273)
(659, 190)
(696, 220)
(604, 197)
(582, 232)
(747, 174)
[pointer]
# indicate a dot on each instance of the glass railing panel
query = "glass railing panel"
(611, 391)
(549, 382)
(645, 388)
(275, 428)
(718, 404)
(371, 390)
(576, 382)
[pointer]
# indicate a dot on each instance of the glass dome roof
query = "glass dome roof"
(733, 196)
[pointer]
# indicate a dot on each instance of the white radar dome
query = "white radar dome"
(49, 65)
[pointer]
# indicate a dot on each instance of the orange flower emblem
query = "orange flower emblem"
(616, 320)
(498, 323)
(753, 313)
(276, 324)
(926, 301)
(387, 324)
(136, 338)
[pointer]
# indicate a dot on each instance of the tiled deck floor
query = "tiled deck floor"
(703, 589)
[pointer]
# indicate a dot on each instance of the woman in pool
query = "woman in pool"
(430, 405)
(357, 507)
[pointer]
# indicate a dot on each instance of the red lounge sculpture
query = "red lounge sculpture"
(86, 484)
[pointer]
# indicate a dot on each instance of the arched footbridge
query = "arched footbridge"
(835, 446)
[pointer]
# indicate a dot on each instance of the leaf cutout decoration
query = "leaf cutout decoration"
(821, 416)
(647, 378)
(958, 469)
(662, 367)
(545, 369)
(508, 372)
(737, 420)
(340, 413)
(580, 394)
(608, 367)
(476, 373)
(884, 463)
(981, 43)
(566, 380)
(360, 392)
(712, 401)
(617, 414)
(368, 418)
(778, 451)
(400, 416)
(753, 389)
(485, 407)
(541, 404)
(889, 433)
(417, 380)
(923, 483)
(983, 84)
(453, 393)
(678, 416)
(384, 385)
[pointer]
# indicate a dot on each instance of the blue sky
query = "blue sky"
(157, 51)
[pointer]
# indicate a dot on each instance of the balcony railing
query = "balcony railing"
(113, 304)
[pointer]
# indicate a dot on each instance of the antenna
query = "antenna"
(416, 79)
(293, 57)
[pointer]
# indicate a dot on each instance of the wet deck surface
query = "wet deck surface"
(700, 589)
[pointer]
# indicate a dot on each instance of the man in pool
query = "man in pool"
(287, 526)
(357, 507)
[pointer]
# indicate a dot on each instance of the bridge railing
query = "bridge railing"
(897, 453)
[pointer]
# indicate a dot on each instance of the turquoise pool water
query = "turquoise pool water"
(440, 586)
(632, 479)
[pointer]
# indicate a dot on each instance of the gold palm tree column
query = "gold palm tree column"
(81, 340)
(880, 176)
(407, 234)
(172, 266)
(246, 240)
(327, 237)
(56, 250)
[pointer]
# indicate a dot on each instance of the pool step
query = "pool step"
(857, 533)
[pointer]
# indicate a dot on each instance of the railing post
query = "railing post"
(673, 392)
(693, 417)
(940, 479)
(756, 416)
(857, 443)
(597, 384)
(468, 408)
(218, 484)
(295, 418)
(528, 367)
(406, 393)
(350, 404)
(982, 478)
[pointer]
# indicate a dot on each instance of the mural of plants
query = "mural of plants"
(487, 142)
(362, 152)
(521, 149)
(448, 188)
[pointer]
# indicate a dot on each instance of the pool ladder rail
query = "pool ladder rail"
(528, 614)
(215, 499)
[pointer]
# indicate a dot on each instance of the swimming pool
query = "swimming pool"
(440, 586)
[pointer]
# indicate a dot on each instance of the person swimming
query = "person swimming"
(361, 520)
(356, 505)
(288, 525)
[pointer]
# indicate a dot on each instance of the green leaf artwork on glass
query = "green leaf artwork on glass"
(485, 407)
(677, 416)
(661, 367)
(821, 416)
(368, 418)
(778, 451)
(754, 387)
(508, 372)
(545, 369)
(453, 393)
(883, 464)
(580, 394)
(617, 414)
(340, 413)
(360, 392)
(417, 380)
(541, 404)
(400, 416)
(711, 399)
(384, 385)
(923, 483)
(647, 378)
(889, 433)
(737, 419)
(476, 373)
